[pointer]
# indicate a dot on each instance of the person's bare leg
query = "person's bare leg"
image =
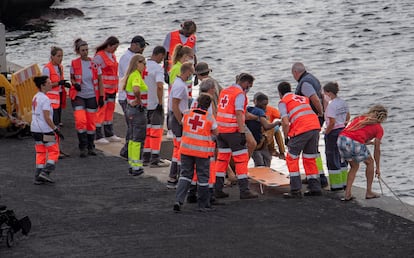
(369, 174)
(351, 177)
(251, 143)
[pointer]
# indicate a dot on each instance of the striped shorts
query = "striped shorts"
(352, 150)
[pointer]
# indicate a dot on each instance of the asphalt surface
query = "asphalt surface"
(95, 209)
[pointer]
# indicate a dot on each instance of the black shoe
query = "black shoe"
(83, 153)
(39, 181)
(192, 198)
(177, 207)
(312, 193)
(324, 181)
(220, 194)
(293, 195)
(248, 194)
(92, 152)
(336, 189)
(45, 176)
(137, 172)
(206, 209)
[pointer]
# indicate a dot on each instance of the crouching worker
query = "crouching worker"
(197, 147)
(44, 132)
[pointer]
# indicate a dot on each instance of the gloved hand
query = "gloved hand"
(101, 101)
(78, 87)
(286, 141)
(64, 83)
(166, 78)
(59, 134)
(159, 108)
(243, 138)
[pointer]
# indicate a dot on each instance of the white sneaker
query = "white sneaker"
(102, 141)
(170, 134)
(114, 138)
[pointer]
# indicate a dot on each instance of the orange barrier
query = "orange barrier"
(25, 90)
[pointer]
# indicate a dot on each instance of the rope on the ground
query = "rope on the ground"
(389, 188)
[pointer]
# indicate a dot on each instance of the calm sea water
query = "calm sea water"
(366, 46)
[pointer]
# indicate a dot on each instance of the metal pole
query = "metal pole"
(3, 63)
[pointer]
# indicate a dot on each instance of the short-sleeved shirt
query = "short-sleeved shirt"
(338, 109)
(272, 113)
(40, 102)
(364, 134)
(255, 126)
(88, 90)
(179, 91)
(183, 38)
(135, 79)
(122, 68)
(155, 75)
(175, 71)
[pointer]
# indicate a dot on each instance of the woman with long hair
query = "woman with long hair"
(86, 93)
(352, 143)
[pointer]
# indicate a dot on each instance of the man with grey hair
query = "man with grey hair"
(309, 86)
(202, 70)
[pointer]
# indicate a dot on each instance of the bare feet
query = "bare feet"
(372, 195)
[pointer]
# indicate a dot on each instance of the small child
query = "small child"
(352, 143)
(196, 149)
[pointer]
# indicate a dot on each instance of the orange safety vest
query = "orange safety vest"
(301, 116)
(109, 73)
(77, 73)
(196, 140)
(53, 94)
(176, 39)
(226, 109)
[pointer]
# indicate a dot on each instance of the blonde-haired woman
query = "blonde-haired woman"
(364, 129)
(137, 96)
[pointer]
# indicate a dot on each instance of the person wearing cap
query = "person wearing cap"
(202, 70)
(137, 46)
(185, 36)
(155, 115)
(261, 155)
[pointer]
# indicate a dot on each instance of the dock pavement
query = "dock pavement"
(96, 209)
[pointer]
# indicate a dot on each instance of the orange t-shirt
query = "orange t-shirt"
(272, 113)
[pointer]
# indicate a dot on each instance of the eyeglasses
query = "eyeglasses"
(143, 62)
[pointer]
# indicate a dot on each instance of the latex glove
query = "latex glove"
(101, 101)
(78, 87)
(286, 141)
(64, 83)
(243, 139)
(59, 134)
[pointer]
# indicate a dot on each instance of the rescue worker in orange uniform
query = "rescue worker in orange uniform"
(186, 37)
(197, 147)
(45, 133)
(301, 130)
(231, 140)
(106, 60)
(155, 116)
(57, 95)
(86, 93)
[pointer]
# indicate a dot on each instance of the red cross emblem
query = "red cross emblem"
(224, 101)
(34, 104)
(299, 99)
(195, 122)
(144, 73)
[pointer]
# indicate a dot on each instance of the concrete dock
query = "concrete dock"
(96, 209)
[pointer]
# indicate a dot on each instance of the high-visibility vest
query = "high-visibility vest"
(143, 88)
(77, 73)
(301, 116)
(226, 109)
(54, 93)
(176, 39)
(196, 139)
(109, 73)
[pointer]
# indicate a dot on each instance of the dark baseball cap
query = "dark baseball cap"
(139, 39)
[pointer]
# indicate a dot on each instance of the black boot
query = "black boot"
(37, 179)
(245, 192)
(91, 145)
(218, 191)
(192, 194)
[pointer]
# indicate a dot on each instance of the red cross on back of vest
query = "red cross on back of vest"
(224, 101)
(195, 121)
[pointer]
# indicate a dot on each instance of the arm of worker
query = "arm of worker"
(240, 112)
(266, 125)
(137, 94)
(176, 110)
(250, 116)
(348, 117)
(317, 103)
(309, 91)
(46, 115)
(160, 92)
(330, 126)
